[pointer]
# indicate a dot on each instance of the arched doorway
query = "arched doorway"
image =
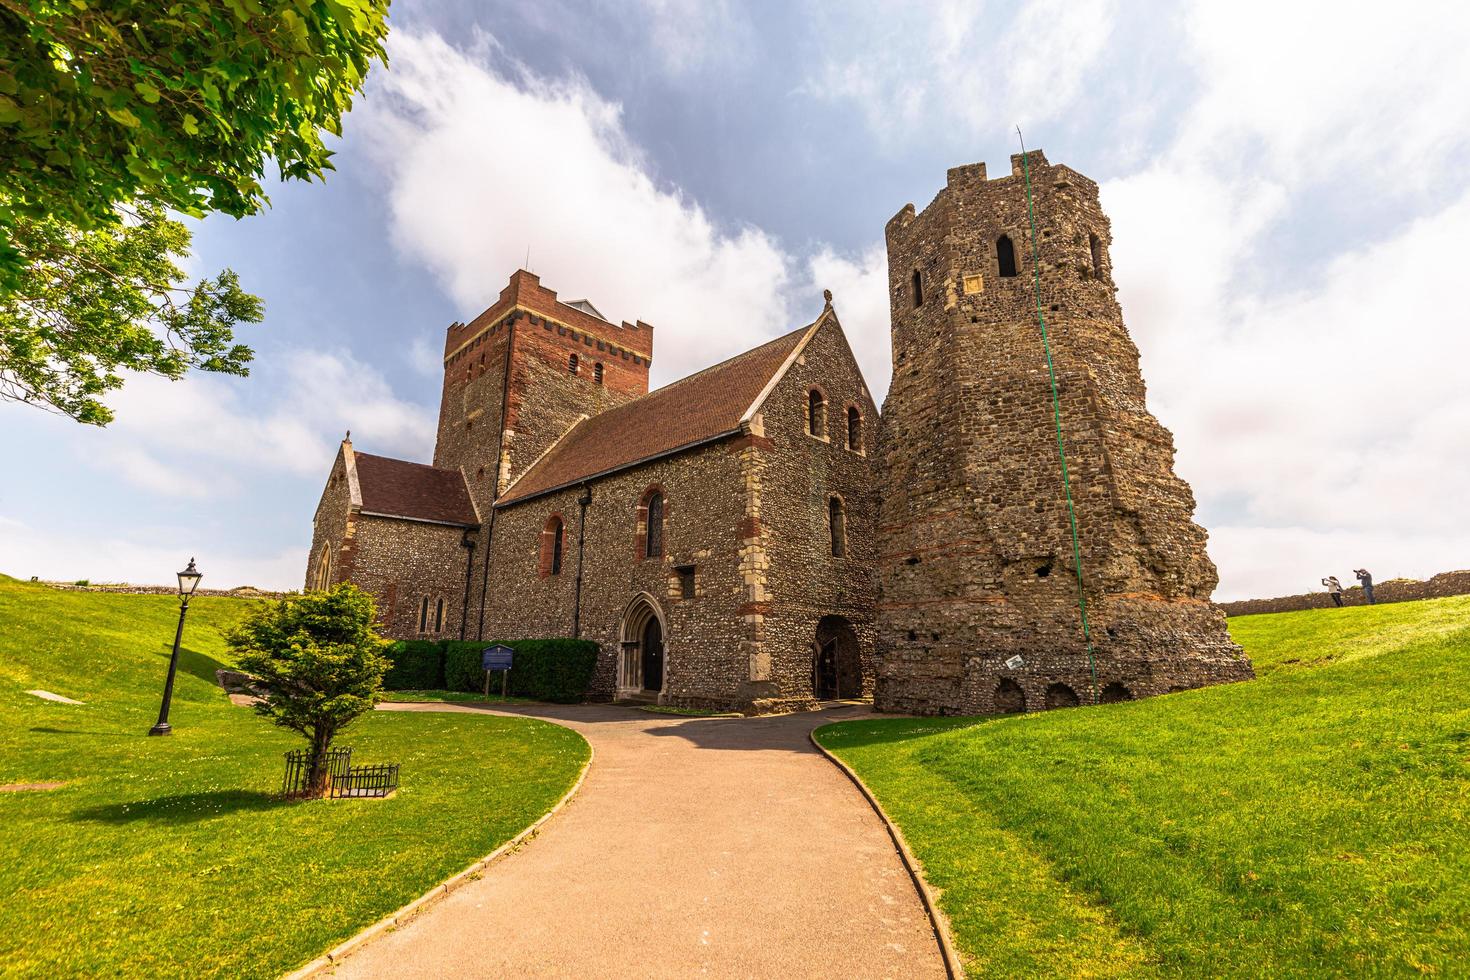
(1009, 697)
(641, 666)
(651, 653)
(837, 669)
(1061, 696)
(1115, 692)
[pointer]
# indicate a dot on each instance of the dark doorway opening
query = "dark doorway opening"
(1114, 693)
(1005, 256)
(1061, 696)
(653, 655)
(837, 669)
(1009, 698)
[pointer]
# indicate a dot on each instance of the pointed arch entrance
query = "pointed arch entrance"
(641, 663)
(837, 669)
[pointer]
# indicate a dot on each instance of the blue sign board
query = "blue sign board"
(497, 657)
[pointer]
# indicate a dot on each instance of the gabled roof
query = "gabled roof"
(397, 488)
(694, 410)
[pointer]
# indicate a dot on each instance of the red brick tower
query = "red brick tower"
(978, 590)
(518, 375)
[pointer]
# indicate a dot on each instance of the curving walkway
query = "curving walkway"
(696, 847)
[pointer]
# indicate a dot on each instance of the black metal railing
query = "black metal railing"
(342, 780)
(366, 781)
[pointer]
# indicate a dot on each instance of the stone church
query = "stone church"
(751, 537)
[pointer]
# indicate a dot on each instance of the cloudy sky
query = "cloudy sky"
(1289, 184)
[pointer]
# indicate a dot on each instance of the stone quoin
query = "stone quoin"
(747, 537)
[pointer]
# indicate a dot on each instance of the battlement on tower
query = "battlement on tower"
(524, 293)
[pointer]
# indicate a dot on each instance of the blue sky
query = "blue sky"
(1287, 182)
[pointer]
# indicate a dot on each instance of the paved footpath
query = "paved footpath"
(697, 847)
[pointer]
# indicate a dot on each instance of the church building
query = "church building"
(747, 537)
(714, 537)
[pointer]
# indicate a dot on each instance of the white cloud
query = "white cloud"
(164, 427)
(860, 296)
(1309, 417)
(923, 67)
(1305, 89)
(696, 34)
(485, 164)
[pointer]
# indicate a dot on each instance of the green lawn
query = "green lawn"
(170, 856)
(1315, 822)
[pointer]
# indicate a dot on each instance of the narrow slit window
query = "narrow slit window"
(1095, 247)
(686, 581)
(837, 525)
(653, 539)
(424, 615)
(1005, 255)
(816, 411)
(918, 289)
(572, 364)
(557, 534)
(854, 430)
(597, 372)
(438, 615)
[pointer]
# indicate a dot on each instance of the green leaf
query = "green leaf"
(148, 92)
(124, 115)
(190, 124)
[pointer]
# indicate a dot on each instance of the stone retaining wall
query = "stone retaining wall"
(239, 592)
(1394, 590)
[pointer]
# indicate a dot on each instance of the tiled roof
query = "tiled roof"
(396, 488)
(688, 412)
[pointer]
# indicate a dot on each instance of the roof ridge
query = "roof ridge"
(405, 462)
(702, 371)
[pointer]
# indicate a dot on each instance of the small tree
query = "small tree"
(319, 662)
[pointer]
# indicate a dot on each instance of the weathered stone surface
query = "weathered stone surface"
(975, 557)
(746, 515)
(971, 542)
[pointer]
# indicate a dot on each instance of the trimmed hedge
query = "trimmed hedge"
(416, 665)
(557, 669)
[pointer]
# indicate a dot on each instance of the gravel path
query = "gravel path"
(696, 848)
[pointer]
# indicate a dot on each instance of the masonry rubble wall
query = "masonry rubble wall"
(976, 564)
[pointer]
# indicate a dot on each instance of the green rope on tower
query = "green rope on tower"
(1056, 411)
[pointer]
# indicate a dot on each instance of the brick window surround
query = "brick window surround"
(661, 538)
(552, 550)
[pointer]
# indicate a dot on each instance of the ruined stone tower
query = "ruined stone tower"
(976, 565)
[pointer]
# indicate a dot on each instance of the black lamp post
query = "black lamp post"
(188, 582)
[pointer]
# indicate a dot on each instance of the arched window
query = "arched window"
(597, 372)
(552, 537)
(918, 289)
(854, 429)
(324, 567)
(1005, 255)
(837, 526)
(438, 615)
(572, 364)
(1096, 247)
(653, 537)
(816, 413)
(424, 615)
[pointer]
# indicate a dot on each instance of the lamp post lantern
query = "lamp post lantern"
(188, 582)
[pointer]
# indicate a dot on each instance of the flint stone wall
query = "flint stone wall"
(976, 561)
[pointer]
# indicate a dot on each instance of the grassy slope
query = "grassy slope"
(168, 856)
(1310, 823)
